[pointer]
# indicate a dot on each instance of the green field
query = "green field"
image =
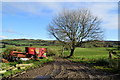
(91, 53)
(99, 52)
(23, 47)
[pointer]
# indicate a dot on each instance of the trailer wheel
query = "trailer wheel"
(41, 57)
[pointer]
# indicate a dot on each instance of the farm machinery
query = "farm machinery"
(30, 53)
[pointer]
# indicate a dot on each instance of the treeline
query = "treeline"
(95, 43)
(28, 42)
(32, 42)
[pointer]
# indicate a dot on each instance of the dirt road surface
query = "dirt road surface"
(65, 69)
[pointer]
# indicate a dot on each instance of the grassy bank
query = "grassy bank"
(13, 70)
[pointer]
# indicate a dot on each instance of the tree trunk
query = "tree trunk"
(71, 53)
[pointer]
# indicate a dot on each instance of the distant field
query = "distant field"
(23, 47)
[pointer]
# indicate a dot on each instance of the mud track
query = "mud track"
(65, 69)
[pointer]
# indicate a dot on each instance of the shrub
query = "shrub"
(52, 52)
(115, 63)
(7, 51)
(102, 62)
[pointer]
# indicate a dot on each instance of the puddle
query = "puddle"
(42, 77)
(55, 72)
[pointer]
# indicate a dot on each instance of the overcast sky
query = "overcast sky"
(30, 19)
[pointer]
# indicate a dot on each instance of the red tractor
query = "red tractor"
(31, 53)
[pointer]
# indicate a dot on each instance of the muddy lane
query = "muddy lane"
(63, 68)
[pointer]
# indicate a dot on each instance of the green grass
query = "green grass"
(90, 53)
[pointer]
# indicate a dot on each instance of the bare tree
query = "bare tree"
(72, 27)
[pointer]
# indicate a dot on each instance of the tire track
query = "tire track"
(57, 70)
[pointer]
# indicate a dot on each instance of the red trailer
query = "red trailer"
(39, 52)
(31, 53)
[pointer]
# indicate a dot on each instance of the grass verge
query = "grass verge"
(11, 72)
(105, 64)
